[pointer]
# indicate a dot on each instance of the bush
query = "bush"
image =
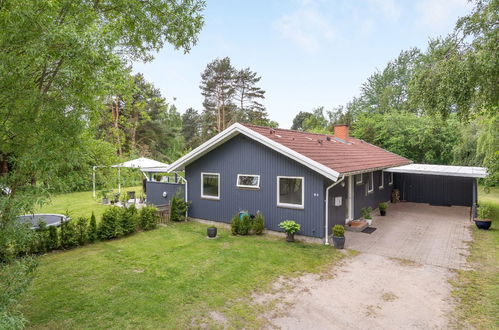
(178, 208)
(53, 239)
(92, 229)
(338, 231)
(235, 224)
(484, 212)
(81, 228)
(69, 238)
(245, 225)
(148, 218)
(129, 219)
(16, 277)
(290, 226)
(40, 243)
(383, 206)
(110, 225)
(258, 224)
(366, 212)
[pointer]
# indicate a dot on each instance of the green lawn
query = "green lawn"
(171, 277)
(78, 203)
(478, 290)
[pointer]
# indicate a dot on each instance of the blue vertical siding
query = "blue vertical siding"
(435, 189)
(241, 155)
(337, 214)
(155, 192)
(363, 199)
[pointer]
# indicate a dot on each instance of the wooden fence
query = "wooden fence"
(164, 213)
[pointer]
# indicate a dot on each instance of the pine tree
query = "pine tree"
(247, 96)
(92, 229)
(217, 87)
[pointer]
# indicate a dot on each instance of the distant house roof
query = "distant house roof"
(343, 156)
(325, 154)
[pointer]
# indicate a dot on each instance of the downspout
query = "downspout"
(326, 241)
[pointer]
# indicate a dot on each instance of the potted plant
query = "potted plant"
(212, 232)
(382, 208)
(290, 227)
(339, 236)
(484, 217)
(366, 214)
(105, 199)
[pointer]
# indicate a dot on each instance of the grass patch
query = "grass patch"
(477, 290)
(79, 204)
(172, 277)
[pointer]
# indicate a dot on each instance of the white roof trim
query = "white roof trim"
(462, 171)
(236, 129)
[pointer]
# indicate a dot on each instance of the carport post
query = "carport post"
(473, 206)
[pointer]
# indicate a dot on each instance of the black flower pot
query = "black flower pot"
(339, 242)
(290, 237)
(483, 224)
(212, 232)
(382, 212)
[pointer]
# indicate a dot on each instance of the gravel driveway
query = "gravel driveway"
(377, 290)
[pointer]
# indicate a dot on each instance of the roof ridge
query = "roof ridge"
(286, 129)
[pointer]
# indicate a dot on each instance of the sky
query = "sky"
(308, 53)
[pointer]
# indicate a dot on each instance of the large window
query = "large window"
(370, 183)
(290, 191)
(248, 181)
(210, 185)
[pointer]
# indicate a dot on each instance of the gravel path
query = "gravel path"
(366, 292)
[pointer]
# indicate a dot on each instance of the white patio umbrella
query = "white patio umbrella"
(141, 163)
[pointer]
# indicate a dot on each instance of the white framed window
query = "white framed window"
(290, 191)
(390, 181)
(210, 185)
(382, 182)
(248, 181)
(370, 183)
(358, 178)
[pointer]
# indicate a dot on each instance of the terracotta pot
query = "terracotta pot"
(290, 237)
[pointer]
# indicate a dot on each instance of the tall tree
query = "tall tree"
(59, 60)
(217, 87)
(191, 128)
(299, 120)
(247, 96)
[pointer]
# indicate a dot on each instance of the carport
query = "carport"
(439, 185)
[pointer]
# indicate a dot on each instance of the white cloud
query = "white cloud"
(438, 14)
(307, 27)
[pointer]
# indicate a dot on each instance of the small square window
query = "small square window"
(248, 181)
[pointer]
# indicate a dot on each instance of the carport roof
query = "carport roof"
(462, 171)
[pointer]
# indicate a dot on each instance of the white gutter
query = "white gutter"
(326, 235)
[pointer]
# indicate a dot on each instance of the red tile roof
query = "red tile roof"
(342, 156)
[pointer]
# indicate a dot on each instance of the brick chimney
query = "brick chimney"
(341, 131)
